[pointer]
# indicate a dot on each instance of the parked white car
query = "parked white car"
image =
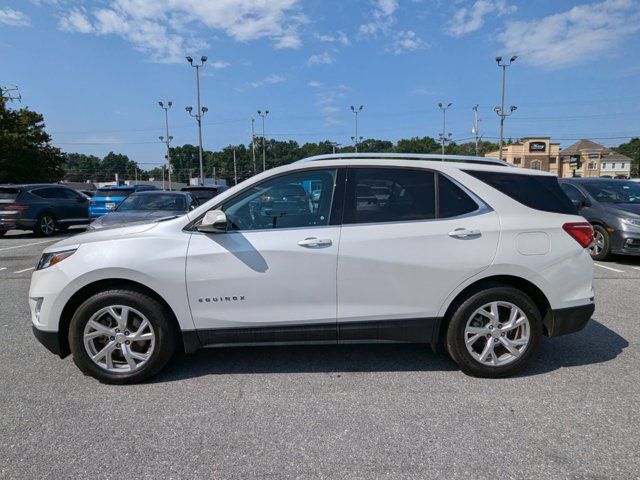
(468, 253)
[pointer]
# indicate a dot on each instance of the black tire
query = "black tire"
(2, 232)
(45, 225)
(455, 335)
(156, 314)
(605, 253)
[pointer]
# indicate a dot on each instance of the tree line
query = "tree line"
(26, 155)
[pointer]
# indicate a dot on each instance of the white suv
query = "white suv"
(459, 251)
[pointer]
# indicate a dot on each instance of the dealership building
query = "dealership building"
(582, 159)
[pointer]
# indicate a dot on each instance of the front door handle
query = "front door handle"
(313, 242)
(464, 233)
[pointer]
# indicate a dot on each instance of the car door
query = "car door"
(77, 205)
(272, 276)
(409, 238)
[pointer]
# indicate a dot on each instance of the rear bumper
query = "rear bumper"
(51, 340)
(569, 320)
(9, 224)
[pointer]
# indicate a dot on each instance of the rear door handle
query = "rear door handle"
(313, 242)
(464, 233)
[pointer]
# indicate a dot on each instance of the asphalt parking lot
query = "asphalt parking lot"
(366, 411)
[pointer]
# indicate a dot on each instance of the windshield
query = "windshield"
(154, 201)
(113, 192)
(614, 192)
(9, 193)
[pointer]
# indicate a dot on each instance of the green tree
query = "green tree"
(418, 145)
(632, 150)
(26, 154)
(185, 161)
(118, 163)
(79, 167)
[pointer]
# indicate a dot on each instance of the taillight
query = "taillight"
(582, 232)
(92, 202)
(13, 208)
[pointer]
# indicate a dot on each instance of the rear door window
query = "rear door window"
(540, 192)
(376, 195)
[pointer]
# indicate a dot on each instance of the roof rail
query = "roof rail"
(408, 156)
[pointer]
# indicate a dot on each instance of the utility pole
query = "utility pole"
(235, 167)
(253, 143)
(6, 95)
(264, 154)
(475, 129)
(199, 112)
(500, 110)
(166, 139)
(444, 138)
(357, 138)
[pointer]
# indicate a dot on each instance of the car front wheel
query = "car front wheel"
(494, 332)
(121, 336)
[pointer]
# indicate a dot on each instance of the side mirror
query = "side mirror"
(579, 203)
(214, 221)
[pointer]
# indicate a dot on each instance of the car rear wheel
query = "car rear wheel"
(494, 332)
(45, 226)
(600, 248)
(2, 232)
(121, 336)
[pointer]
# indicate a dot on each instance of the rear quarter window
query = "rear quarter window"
(9, 193)
(113, 192)
(540, 192)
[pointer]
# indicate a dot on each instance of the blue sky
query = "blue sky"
(96, 68)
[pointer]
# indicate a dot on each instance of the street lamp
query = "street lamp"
(500, 110)
(264, 154)
(166, 139)
(199, 112)
(444, 138)
(357, 138)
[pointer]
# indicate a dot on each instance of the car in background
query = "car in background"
(612, 206)
(88, 193)
(146, 206)
(107, 198)
(203, 193)
(42, 208)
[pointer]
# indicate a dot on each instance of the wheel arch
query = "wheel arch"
(189, 342)
(534, 292)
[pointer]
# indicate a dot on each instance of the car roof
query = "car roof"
(29, 186)
(594, 180)
(163, 192)
(199, 187)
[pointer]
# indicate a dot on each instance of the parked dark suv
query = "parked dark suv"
(612, 206)
(42, 208)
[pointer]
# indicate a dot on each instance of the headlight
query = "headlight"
(634, 222)
(49, 259)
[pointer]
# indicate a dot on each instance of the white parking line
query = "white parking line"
(29, 244)
(3, 268)
(609, 268)
(635, 268)
(25, 270)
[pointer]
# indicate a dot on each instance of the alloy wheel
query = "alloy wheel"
(119, 339)
(47, 225)
(597, 246)
(497, 334)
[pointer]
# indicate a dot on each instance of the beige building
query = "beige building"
(590, 159)
(538, 153)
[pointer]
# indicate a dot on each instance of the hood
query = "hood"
(116, 219)
(622, 209)
(99, 236)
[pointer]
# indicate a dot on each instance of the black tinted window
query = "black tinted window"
(50, 192)
(113, 192)
(572, 192)
(452, 200)
(540, 192)
(301, 199)
(389, 195)
(9, 193)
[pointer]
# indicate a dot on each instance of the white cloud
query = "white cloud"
(406, 41)
(338, 37)
(383, 18)
(219, 64)
(467, 20)
(168, 29)
(330, 100)
(323, 58)
(76, 21)
(269, 80)
(14, 18)
(314, 84)
(581, 33)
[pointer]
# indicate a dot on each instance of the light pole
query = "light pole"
(235, 167)
(500, 110)
(264, 151)
(357, 138)
(166, 139)
(476, 128)
(334, 145)
(199, 112)
(253, 144)
(444, 138)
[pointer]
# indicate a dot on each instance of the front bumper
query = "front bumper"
(563, 321)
